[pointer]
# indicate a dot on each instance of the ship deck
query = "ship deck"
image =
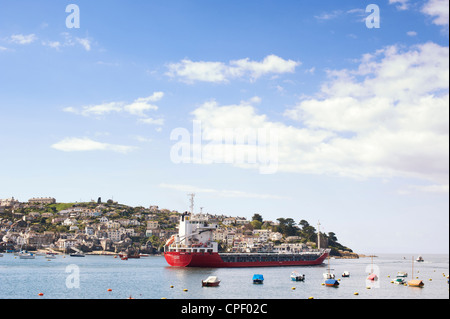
(269, 257)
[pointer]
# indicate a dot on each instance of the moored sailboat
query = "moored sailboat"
(329, 274)
(415, 282)
(372, 276)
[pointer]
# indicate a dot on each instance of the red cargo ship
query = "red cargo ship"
(194, 247)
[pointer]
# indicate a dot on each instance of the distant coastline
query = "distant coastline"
(109, 227)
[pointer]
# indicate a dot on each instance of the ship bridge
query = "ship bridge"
(194, 235)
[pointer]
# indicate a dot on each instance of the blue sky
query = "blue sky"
(359, 115)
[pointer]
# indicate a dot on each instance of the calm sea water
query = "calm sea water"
(151, 278)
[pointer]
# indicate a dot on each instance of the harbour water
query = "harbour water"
(106, 277)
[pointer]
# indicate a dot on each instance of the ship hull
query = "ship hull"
(215, 260)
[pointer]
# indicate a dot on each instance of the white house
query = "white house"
(152, 224)
(230, 238)
(241, 221)
(114, 235)
(113, 224)
(103, 219)
(229, 221)
(275, 236)
(220, 235)
(69, 222)
(134, 222)
(263, 234)
(66, 243)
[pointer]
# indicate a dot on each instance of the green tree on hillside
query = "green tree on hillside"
(257, 217)
(308, 232)
(287, 227)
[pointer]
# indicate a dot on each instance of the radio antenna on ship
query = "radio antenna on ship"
(192, 202)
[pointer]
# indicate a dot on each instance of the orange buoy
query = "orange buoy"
(40, 294)
(109, 289)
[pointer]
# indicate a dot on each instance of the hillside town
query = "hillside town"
(96, 227)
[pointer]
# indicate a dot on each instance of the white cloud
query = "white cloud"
(438, 9)
(221, 193)
(140, 105)
(438, 189)
(101, 109)
(387, 118)
(142, 139)
(137, 108)
(401, 4)
(52, 44)
(96, 110)
(23, 39)
(359, 13)
(395, 111)
(217, 72)
(73, 144)
(69, 41)
(272, 64)
(85, 42)
(190, 71)
(330, 15)
(411, 33)
(152, 121)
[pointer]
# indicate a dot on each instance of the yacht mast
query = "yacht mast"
(318, 235)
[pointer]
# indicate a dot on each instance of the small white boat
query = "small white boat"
(419, 259)
(258, 279)
(402, 274)
(295, 276)
(346, 274)
(78, 254)
(50, 256)
(399, 281)
(327, 275)
(1, 255)
(372, 277)
(24, 255)
(211, 281)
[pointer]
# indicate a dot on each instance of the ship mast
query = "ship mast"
(192, 203)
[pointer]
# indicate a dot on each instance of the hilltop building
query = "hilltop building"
(47, 200)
